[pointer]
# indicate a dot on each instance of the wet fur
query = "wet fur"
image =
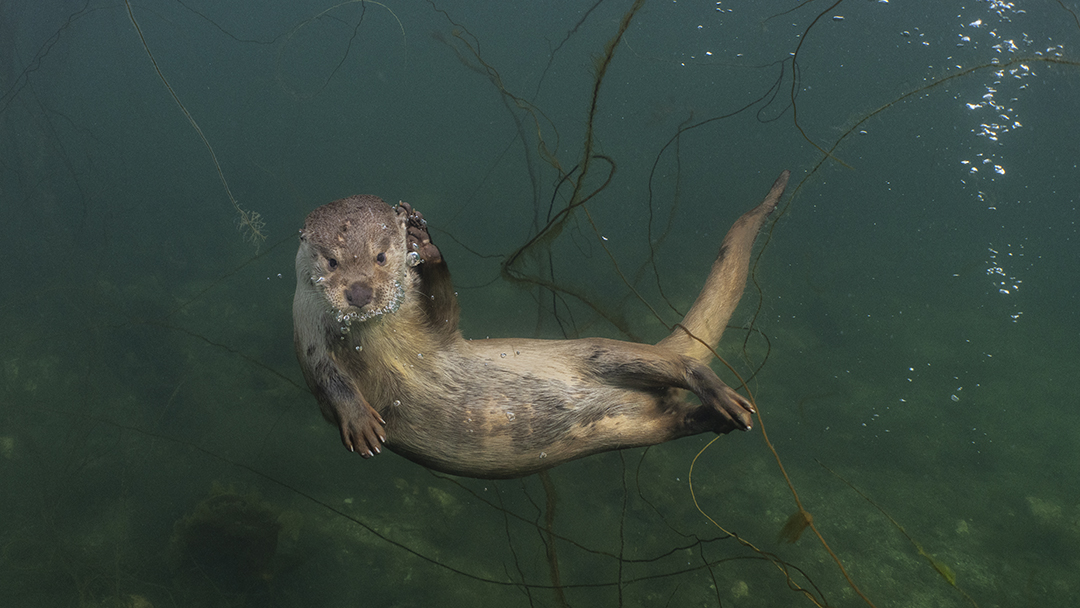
(491, 408)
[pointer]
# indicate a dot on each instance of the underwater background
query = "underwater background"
(910, 333)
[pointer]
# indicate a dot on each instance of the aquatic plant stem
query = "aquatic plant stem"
(577, 198)
(551, 499)
(791, 486)
(249, 220)
(944, 570)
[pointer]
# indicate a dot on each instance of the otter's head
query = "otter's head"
(353, 250)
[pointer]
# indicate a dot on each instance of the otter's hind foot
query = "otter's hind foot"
(735, 409)
(723, 410)
(362, 431)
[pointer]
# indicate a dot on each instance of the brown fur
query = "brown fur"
(377, 338)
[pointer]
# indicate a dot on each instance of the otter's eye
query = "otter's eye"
(331, 262)
(381, 259)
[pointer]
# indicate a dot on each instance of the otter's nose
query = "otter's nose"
(358, 294)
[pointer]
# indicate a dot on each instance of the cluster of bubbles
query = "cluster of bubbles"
(1006, 84)
(1005, 283)
(353, 315)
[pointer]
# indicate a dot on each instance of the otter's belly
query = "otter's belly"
(491, 415)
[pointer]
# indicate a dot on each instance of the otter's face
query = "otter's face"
(354, 252)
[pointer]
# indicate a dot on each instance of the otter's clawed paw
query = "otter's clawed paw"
(363, 433)
(723, 410)
(735, 410)
(417, 237)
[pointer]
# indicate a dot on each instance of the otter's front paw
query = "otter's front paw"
(417, 237)
(362, 431)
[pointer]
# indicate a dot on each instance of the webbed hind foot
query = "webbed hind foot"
(722, 409)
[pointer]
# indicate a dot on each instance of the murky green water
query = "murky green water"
(914, 312)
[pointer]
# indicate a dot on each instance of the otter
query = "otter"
(376, 332)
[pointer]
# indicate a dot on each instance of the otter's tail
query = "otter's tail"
(709, 315)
